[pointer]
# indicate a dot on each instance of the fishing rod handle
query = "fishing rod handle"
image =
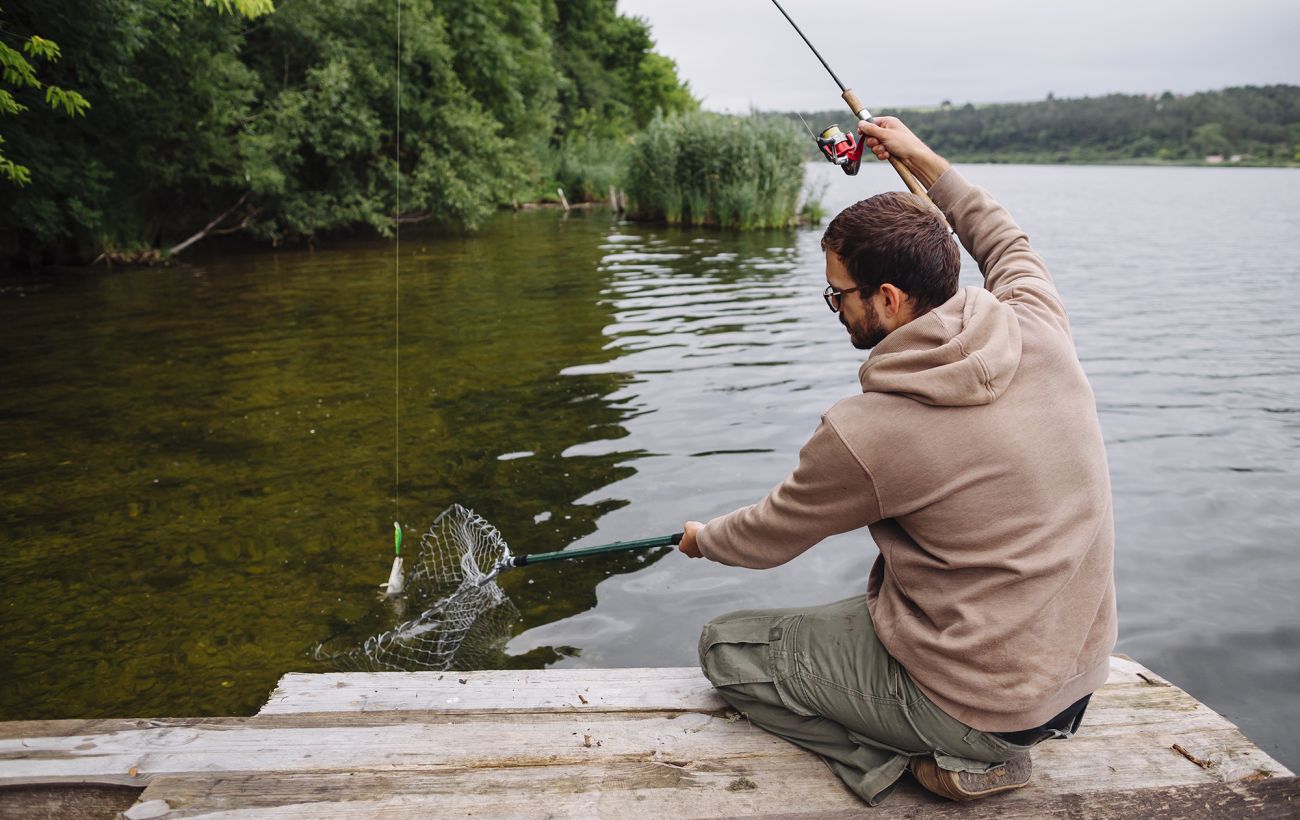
(618, 546)
(861, 112)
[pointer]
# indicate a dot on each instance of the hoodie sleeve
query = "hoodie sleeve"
(830, 492)
(1012, 271)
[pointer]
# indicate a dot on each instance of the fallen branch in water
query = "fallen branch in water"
(211, 227)
(155, 256)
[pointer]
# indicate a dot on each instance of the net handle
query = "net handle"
(618, 546)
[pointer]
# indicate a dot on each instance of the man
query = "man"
(975, 456)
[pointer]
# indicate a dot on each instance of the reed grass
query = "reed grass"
(702, 168)
(587, 168)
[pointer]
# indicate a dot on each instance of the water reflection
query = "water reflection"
(731, 357)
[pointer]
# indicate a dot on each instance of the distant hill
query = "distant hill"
(1249, 125)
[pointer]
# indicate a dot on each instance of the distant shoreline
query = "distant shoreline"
(1246, 127)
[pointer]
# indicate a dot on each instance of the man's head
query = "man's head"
(896, 251)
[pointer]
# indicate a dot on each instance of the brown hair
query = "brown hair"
(898, 238)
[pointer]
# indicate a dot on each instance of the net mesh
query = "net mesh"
(463, 622)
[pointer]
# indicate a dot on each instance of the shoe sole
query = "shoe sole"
(1013, 774)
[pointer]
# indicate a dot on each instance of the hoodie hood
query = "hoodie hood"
(963, 353)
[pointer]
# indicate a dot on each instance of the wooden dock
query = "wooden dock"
(623, 743)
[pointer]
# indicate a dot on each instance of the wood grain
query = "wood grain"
(625, 690)
(619, 742)
(799, 788)
(584, 690)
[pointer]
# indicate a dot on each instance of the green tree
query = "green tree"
(1210, 138)
(286, 126)
(614, 82)
(18, 73)
(248, 8)
(656, 88)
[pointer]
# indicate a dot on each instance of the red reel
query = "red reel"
(842, 149)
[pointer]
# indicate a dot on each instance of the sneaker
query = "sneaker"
(971, 785)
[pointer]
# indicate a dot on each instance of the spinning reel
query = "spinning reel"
(845, 150)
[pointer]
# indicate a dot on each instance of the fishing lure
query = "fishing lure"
(396, 582)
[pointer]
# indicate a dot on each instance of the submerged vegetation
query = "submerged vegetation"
(1247, 126)
(702, 168)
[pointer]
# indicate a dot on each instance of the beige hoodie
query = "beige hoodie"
(975, 457)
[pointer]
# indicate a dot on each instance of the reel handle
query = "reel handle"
(909, 179)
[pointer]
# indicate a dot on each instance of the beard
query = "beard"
(866, 333)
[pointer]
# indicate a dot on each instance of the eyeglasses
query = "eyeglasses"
(834, 298)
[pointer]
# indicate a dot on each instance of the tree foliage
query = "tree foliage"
(248, 8)
(292, 117)
(18, 73)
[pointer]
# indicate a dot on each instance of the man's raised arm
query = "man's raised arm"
(1012, 271)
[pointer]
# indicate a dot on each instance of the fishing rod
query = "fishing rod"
(842, 148)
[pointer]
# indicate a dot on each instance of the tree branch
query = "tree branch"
(211, 226)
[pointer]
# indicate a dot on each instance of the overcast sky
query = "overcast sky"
(738, 54)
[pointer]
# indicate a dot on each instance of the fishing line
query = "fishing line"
(396, 577)
(807, 126)
(397, 284)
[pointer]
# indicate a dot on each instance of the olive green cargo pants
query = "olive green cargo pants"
(820, 678)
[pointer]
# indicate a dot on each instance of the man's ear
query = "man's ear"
(893, 300)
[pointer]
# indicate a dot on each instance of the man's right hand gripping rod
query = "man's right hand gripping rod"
(909, 179)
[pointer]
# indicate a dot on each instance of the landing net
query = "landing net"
(463, 622)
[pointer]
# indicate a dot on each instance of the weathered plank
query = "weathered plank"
(631, 789)
(65, 802)
(800, 788)
(385, 741)
(403, 740)
(18, 730)
(1124, 669)
(645, 743)
(588, 690)
(1274, 798)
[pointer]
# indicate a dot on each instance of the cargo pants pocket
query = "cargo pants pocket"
(746, 648)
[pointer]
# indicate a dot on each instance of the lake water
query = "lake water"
(197, 473)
